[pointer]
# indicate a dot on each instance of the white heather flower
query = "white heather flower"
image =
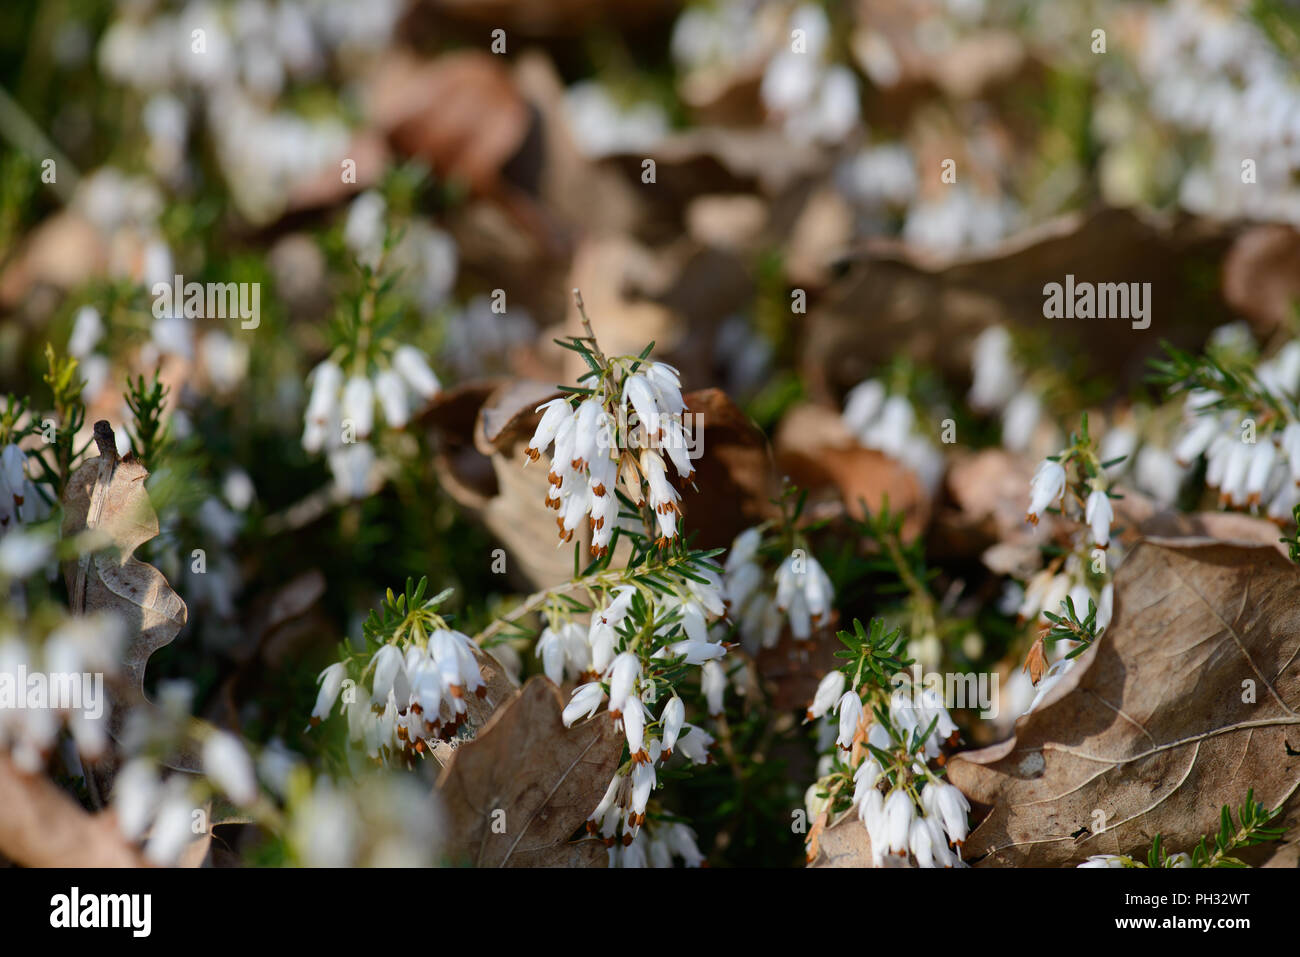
(550, 648)
(828, 692)
(322, 405)
(995, 377)
(695, 652)
(584, 702)
(22, 553)
(387, 666)
(634, 728)
(666, 382)
(862, 405)
(391, 393)
(413, 367)
(1050, 680)
(1196, 440)
(1260, 471)
(638, 391)
(695, 744)
(358, 405)
(682, 840)
(136, 792)
(1048, 486)
(586, 433)
(1103, 860)
(1098, 513)
(951, 805)
(351, 466)
(363, 232)
(713, 683)
(865, 778)
(330, 681)
(899, 812)
(674, 715)
(624, 673)
(172, 829)
(1105, 605)
(1019, 419)
(920, 842)
(87, 330)
(227, 763)
(850, 712)
(871, 811)
(643, 783)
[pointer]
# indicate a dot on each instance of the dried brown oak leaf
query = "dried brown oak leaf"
(107, 495)
(1150, 727)
(847, 844)
(516, 794)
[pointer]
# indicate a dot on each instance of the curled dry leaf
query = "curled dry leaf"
(1188, 700)
(518, 792)
(461, 113)
(107, 495)
(930, 307)
(480, 430)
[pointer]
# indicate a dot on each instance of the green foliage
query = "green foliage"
(1250, 828)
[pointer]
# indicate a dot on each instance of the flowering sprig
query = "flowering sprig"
(1241, 413)
(1250, 828)
(891, 730)
(368, 369)
(1074, 485)
(409, 688)
(610, 434)
(772, 581)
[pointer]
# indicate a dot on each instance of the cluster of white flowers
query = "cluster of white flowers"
(238, 59)
(880, 177)
(577, 652)
(596, 447)
(763, 601)
(424, 258)
(603, 126)
(1249, 467)
(918, 813)
(380, 820)
(961, 219)
(658, 845)
(651, 743)
(888, 423)
(340, 415)
(998, 384)
(816, 99)
(1213, 73)
(932, 834)
(162, 811)
(417, 694)
(44, 687)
